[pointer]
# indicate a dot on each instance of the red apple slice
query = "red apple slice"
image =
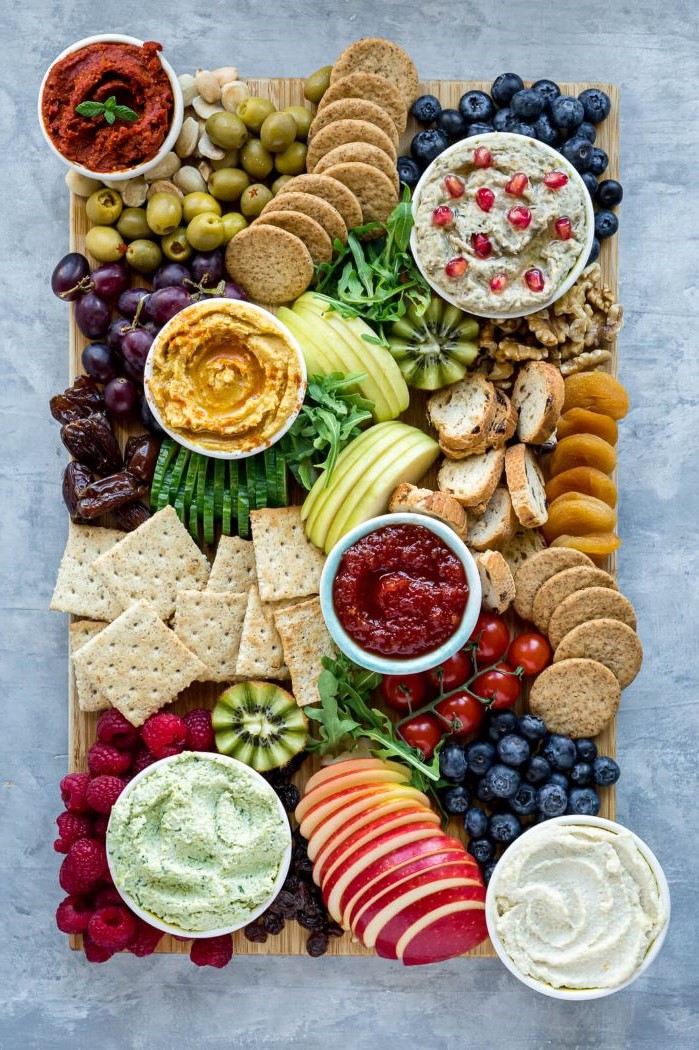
(320, 813)
(443, 934)
(399, 880)
(369, 817)
(331, 860)
(386, 928)
(350, 780)
(349, 765)
(357, 813)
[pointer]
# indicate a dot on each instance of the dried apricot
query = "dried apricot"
(587, 480)
(574, 514)
(582, 421)
(582, 450)
(597, 392)
(596, 545)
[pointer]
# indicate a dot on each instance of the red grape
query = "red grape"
(170, 275)
(166, 302)
(116, 332)
(68, 275)
(100, 362)
(129, 300)
(109, 281)
(234, 291)
(120, 397)
(207, 268)
(134, 347)
(148, 419)
(92, 316)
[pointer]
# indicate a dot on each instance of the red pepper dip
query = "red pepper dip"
(400, 591)
(135, 76)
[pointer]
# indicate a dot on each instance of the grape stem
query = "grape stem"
(82, 287)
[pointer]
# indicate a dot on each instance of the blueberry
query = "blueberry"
(567, 112)
(452, 762)
(581, 774)
(476, 822)
(408, 171)
(559, 751)
(594, 252)
(501, 723)
(545, 131)
(426, 109)
(584, 801)
(456, 800)
(484, 792)
(480, 755)
(524, 802)
(527, 104)
(590, 181)
(517, 127)
(548, 88)
(531, 727)
(610, 193)
(503, 119)
(481, 849)
(504, 87)
(513, 750)
(606, 224)
(503, 781)
(605, 771)
(598, 162)
(585, 749)
(452, 123)
(560, 779)
(538, 770)
(596, 104)
(552, 800)
(504, 828)
(588, 131)
(479, 129)
(476, 105)
(577, 151)
(488, 870)
(427, 145)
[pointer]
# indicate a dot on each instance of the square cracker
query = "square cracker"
(234, 565)
(261, 654)
(288, 564)
(210, 623)
(306, 641)
(89, 698)
(137, 663)
(79, 588)
(153, 563)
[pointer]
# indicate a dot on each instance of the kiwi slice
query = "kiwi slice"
(259, 724)
(434, 348)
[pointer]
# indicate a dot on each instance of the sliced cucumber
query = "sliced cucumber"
(168, 451)
(219, 486)
(190, 482)
(251, 481)
(269, 457)
(164, 494)
(209, 505)
(233, 483)
(199, 494)
(227, 513)
(262, 498)
(177, 474)
(177, 499)
(243, 504)
(282, 485)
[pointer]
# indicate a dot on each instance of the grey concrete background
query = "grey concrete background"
(50, 998)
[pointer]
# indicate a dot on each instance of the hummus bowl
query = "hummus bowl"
(225, 378)
(194, 826)
(596, 899)
(491, 236)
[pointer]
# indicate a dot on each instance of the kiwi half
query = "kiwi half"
(260, 724)
(436, 347)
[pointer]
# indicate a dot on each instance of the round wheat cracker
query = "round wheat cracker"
(376, 88)
(376, 55)
(592, 603)
(375, 192)
(534, 573)
(315, 207)
(305, 228)
(272, 264)
(340, 132)
(332, 191)
(362, 152)
(576, 697)
(354, 109)
(610, 642)
(562, 584)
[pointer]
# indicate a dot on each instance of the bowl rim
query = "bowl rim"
(232, 305)
(177, 931)
(580, 994)
(392, 664)
(175, 122)
(505, 137)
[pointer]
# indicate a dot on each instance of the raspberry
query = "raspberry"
(145, 941)
(200, 733)
(71, 827)
(112, 927)
(99, 826)
(108, 895)
(116, 730)
(164, 734)
(72, 914)
(73, 792)
(105, 760)
(84, 866)
(103, 792)
(93, 952)
(143, 759)
(212, 951)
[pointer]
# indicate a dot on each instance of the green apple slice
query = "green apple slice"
(318, 362)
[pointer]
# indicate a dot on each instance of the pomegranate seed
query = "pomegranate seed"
(534, 279)
(555, 179)
(454, 186)
(517, 184)
(498, 282)
(564, 229)
(482, 157)
(442, 216)
(485, 198)
(481, 245)
(456, 267)
(519, 216)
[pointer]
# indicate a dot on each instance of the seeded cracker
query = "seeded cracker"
(610, 642)
(306, 641)
(375, 192)
(89, 698)
(362, 152)
(261, 654)
(354, 109)
(305, 228)
(342, 132)
(533, 574)
(80, 590)
(234, 566)
(137, 663)
(593, 603)
(210, 623)
(376, 88)
(288, 564)
(375, 55)
(316, 208)
(563, 584)
(332, 191)
(272, 264)
(575, 697)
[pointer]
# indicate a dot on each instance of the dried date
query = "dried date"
(109, 494)
(91, 441)
(76, 478)
(141, 455)
(131, 516)
(78, 401)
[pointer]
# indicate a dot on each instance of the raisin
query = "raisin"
(110, 493)
(312, 919)
(91, 441)
(273, 922)
(317, 945)
(335, 930)
(255, 932)
(76, 478)
(285, 904)
(292, 883)
(131, 516)
(290, 796)
(78, 401)
(141, 455)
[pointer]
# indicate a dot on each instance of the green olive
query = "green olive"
(176, 246)
(278, 132)
(133, 223)
(105, 243)
(144, 256)
(256, 160)
(293, 160)
(164, 213)
(253, 112)
(281, 181)
(302, 118)
(227, 184)
(233, 222)
(254, 199)
(226, 130)
(229, 160)
(315, 86)
(104, 207)
(205, 232)
(198, 204)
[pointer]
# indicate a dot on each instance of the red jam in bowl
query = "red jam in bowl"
(400, 591)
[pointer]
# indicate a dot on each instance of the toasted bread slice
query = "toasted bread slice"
(439, 505)
(526, 484)
(496, 525)
(538, 396)
(474, 480)
(462, 413)
(524, 545)
(504, 421)
(497, 582)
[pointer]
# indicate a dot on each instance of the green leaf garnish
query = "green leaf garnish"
(110, 110)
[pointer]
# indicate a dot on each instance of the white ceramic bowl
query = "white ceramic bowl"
(559, 162)
(175, 121)
(395, 664)
(231, 306)
(575, 994)
(177, 931)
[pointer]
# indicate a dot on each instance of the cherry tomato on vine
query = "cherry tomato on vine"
(498, 684)
(463, 708)
(423, 732)
(452, 673)
(403, 692)
(494, 639)
(530, 651)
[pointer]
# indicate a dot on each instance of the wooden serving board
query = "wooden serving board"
(286, 92)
